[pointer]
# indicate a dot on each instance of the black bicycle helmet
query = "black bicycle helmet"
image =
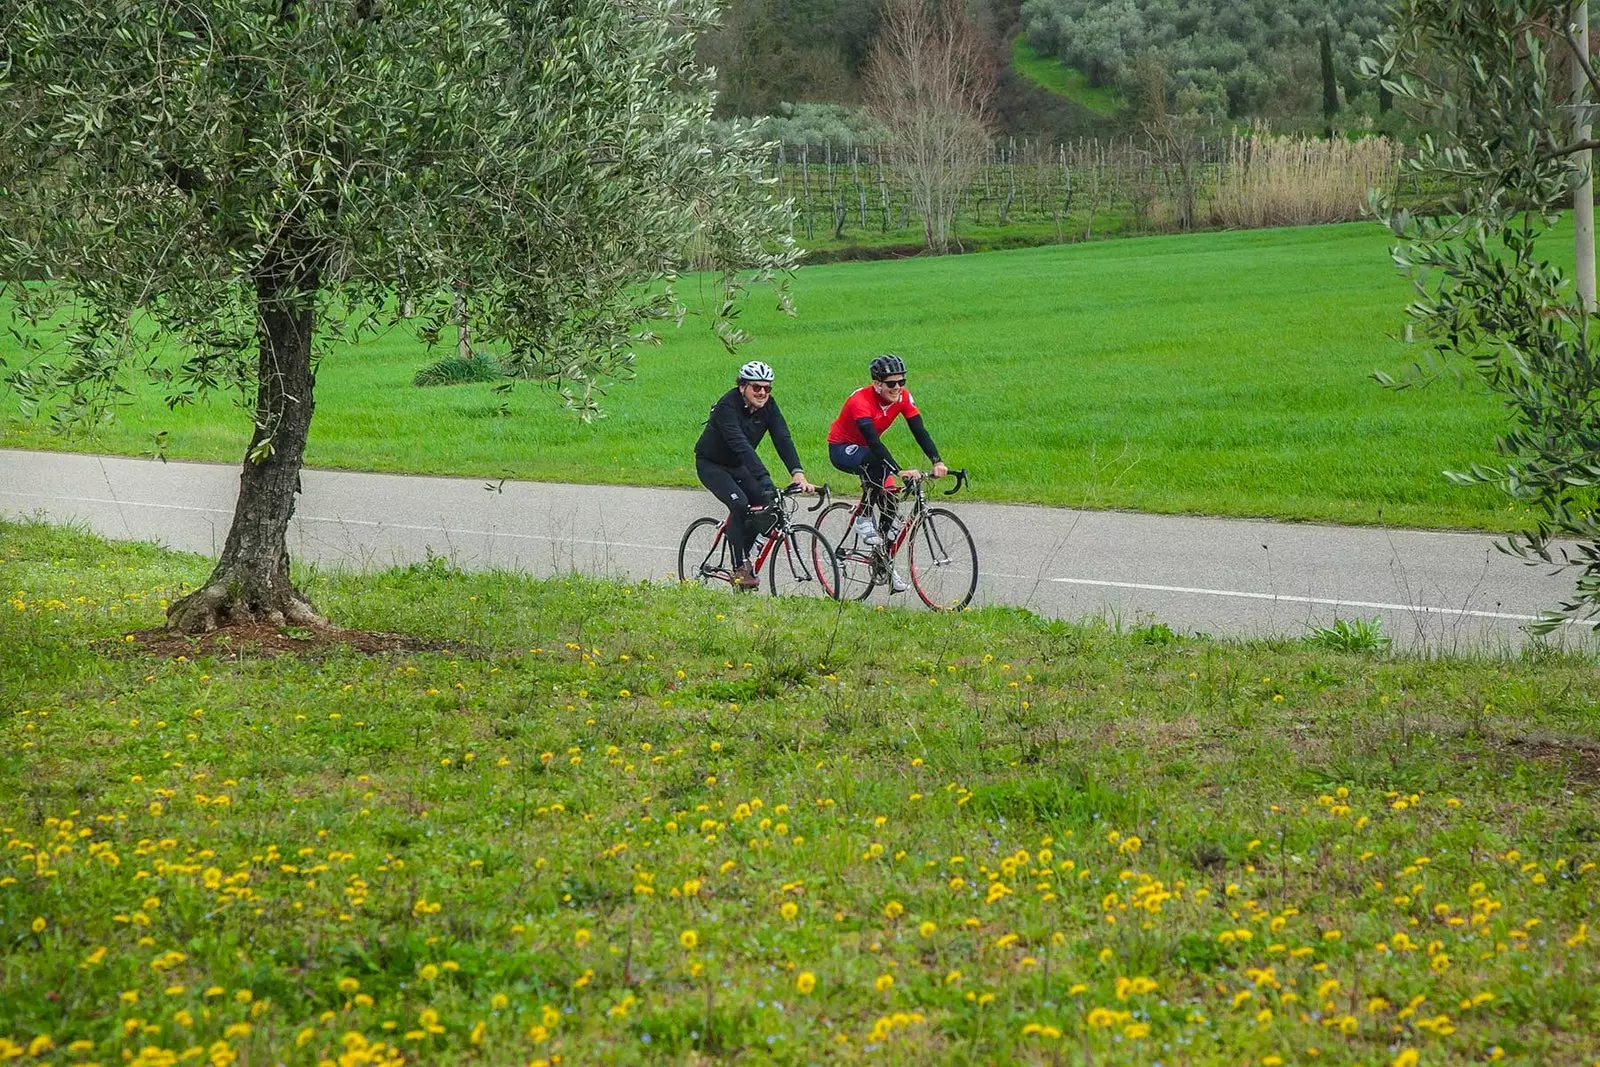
(885, 365)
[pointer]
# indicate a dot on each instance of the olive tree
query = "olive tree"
(209, 192)
(1495, 78)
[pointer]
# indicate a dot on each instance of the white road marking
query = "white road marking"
(1376, 605)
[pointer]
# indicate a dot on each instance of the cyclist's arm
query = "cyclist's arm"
(727, 424)
(875, 445)
(781, 440)
(920, 432)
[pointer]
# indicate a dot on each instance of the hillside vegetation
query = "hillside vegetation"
(1233, 58)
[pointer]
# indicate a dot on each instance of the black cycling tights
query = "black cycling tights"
(739, 490)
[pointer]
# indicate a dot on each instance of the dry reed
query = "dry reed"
(1265, 180)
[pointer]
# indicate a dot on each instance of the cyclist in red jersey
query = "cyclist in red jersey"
(855, 444)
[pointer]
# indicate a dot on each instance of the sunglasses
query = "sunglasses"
(898, 383)
(758, 387)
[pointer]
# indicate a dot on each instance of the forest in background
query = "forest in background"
(1222, 62)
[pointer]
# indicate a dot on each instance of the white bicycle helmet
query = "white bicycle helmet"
(755, 371)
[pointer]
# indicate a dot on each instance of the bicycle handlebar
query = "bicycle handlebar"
(822, 493)
(961, 480)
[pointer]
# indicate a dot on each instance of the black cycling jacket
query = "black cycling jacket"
(733, 431)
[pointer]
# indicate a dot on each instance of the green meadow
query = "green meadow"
(1219, 373)
(645, 824)
(1056, 77)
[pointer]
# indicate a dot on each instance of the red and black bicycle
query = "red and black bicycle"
(939, 551)
(797, 559)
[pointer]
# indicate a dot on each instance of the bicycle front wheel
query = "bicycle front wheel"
(944, 561)
(857, 566)
(803, 564)
(704, 555)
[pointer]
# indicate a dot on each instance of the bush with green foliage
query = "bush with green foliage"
(814, 124)
(460, 370)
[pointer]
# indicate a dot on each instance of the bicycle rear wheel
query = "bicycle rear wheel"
(857, 569)
(944, 561)
(704, 555)
(803, 564)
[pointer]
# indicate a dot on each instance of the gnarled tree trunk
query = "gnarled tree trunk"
(251, 580)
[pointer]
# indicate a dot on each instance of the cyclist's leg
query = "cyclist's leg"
(725, 486)
(760, 494)
(857, 460)
(876, 473)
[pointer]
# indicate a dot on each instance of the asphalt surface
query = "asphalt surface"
(1435, 592)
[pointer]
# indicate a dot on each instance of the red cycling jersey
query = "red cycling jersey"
(864, 404)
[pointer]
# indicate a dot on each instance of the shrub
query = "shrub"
(456, 370)
(1350, 636)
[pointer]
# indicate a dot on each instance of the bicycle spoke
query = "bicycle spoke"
(704, 555)
(805, 565)
(944, 561)
(857, 566)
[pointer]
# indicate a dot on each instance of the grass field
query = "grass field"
(1219, 373)
(1052, 75)
(641, 824)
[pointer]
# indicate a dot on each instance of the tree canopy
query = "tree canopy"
(1495, 78)
(255, 178)
(1234, 57)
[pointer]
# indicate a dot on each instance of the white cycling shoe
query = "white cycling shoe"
(897, 584)
(867, 532)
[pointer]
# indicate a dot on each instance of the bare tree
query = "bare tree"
(930, 82)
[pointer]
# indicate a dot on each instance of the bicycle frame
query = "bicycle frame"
(780, 532)
(919, 505)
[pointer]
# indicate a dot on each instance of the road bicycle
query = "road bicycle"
(797, 559)
(942, 557)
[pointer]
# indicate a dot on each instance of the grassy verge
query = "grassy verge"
(1211, 373)
(636, 824)
(1051, 75)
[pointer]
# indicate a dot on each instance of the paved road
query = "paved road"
(1441, 592)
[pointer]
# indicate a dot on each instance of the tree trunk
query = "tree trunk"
(251, 580)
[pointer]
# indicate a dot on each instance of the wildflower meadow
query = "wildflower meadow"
(588, 822)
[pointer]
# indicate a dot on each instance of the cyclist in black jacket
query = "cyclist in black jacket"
(726, 461)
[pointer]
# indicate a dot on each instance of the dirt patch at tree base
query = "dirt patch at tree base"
(264, 639)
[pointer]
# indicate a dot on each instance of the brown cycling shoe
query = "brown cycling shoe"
(744, 577)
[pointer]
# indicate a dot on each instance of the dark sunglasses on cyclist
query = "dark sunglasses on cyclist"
(898, 383)
(760, 387)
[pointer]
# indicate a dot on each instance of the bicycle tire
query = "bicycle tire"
(802, 563)
(704, 555)
(858, 570)
(943, 560)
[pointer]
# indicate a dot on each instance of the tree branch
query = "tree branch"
(1569, 150)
